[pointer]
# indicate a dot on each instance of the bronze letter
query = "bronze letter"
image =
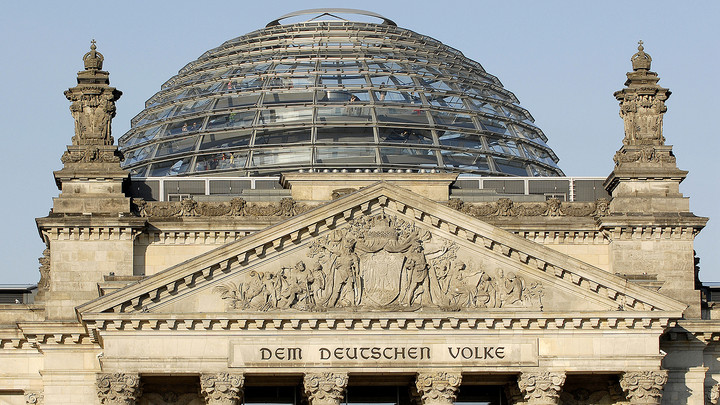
(362, 352)
(265, 354)
(375, 353)
(295, 353)
(423, 352)
(500, 352)
(454, 356)
(280, 353)
(324, 353)
(488, 352)
(339, 353)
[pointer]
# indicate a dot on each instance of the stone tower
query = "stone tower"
(650, 224)
(89, 231)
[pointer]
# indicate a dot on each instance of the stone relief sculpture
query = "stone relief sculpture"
(647, 154)
(380, 263)
(505, 207)
(237, 207)
(713, 394)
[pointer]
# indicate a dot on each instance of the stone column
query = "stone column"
(325, 388)
(438, 387)
(222, 388)
(118, 388)
(644, 387)
(541, 387)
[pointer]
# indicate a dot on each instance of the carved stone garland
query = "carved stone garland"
(505, 207)
(237, 207)
(644, 387)
(118, 388)
(438, 387)
(222, 388)
(541, 387)
(325, 388)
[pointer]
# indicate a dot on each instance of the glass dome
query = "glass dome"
(325, 95)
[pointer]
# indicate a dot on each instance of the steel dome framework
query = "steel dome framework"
(334, 95)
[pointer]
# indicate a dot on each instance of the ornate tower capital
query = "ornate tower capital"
(325, 388)
(541, 387)
(438, 387)
(93, 104)
(222, 388)
(644, 387)
(91, 178)
(118, 388)
(642, 103)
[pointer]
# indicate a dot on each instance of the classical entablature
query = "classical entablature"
(382, 249)
(383, 261)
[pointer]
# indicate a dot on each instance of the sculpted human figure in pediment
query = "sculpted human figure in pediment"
(380, 263)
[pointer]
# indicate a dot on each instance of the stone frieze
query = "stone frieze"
(237, 207)
(505, 207)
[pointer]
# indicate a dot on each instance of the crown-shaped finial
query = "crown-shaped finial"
(641, 60)
(93, 59)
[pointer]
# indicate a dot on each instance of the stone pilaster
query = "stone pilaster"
(34, 398)
(325, 388)
(541, 387)
(438, 387)
(118, 388)
(222, 388)
(644, 387)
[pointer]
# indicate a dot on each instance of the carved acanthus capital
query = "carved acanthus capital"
(118, 388)
(34, 398)
(325, 388)
(222, 388)
(644, 387)
(541, 387)
(438, 387)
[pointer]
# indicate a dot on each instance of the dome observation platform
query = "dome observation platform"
(328, 94)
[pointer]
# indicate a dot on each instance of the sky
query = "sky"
(562, 59)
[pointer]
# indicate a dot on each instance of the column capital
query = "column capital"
(118, 388)
(541, 387)
(438, 387)
(644, 387)
(222, 388)
(34, 398)
(325, 388)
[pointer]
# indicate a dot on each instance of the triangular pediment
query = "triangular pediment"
(382, 249)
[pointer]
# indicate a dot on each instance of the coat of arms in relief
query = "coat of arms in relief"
(380, 263)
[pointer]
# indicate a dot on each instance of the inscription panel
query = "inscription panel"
(386, 352)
